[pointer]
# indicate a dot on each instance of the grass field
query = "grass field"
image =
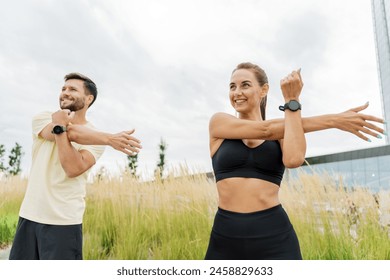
(172, 219)
(11, 195)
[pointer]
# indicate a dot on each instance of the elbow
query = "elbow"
(293, 162)
(73, 171)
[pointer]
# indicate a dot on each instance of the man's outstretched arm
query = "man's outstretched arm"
(121, 141)
(81, 134)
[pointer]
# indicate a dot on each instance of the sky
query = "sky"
(163, 67)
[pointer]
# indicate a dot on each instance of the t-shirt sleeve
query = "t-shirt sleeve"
(95, 150)
(39, 122)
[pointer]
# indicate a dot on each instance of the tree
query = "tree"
(133, 164)
(15, 158)
(2, 153)
(161, 164)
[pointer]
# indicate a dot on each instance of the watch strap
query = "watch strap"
(287, 106)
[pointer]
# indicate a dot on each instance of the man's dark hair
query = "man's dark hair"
(90, 86)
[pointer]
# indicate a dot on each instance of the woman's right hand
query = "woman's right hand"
(357, 123)
(292, 85)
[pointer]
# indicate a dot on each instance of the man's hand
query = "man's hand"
(62, 117)
(357, 123)
(125, 142)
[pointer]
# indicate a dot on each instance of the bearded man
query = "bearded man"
(65, 147)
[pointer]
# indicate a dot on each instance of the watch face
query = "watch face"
(293, 105)
(58, 129)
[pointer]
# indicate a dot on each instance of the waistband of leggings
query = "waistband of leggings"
(275, 208)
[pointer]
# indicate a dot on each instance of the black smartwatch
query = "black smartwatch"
(292, 105)
(58, 129)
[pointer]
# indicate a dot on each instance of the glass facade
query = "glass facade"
(361, 168)
(381, 20)
(369, 167)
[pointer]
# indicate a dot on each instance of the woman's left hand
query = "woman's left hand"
(357, 123)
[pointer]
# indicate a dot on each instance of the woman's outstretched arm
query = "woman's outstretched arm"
(226, 126)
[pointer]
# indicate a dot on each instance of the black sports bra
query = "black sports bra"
(235, 159)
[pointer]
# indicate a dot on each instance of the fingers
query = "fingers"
(360, 108)
(130, 150)
(359, 130)
(63, 116)
(134, 144)
(374, 128)
(370, 132)
(130, 131)
(130, 153)
(125, 142)
(358, 134)
(299, 75)
(291, 86)
(368, 129)
(130, 144)
(372, 118)
(131, 139)
(294, 75)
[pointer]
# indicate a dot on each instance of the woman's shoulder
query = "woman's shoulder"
(220, 116)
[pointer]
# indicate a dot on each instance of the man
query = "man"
(65, 147)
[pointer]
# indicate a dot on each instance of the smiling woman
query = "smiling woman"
(240, 79)
(250, 222)
(249, 155)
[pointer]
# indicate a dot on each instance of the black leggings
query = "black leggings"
(262, 235)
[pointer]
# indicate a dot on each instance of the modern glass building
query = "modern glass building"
(365, 168)
(368, 167)
(381, 21)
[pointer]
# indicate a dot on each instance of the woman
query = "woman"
(249, 155)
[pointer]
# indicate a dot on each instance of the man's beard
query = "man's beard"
(75, 105)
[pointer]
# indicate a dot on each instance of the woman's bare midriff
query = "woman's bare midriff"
(245, 195)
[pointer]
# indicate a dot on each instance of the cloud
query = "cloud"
(163, 67)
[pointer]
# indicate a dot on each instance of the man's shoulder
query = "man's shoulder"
(91, 125)
(40, 121)
(42, 115)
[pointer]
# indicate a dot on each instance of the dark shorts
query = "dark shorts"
(35, 241)
(262, 235)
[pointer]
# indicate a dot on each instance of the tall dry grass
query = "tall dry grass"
(163, 219)
(172, 218)
(12, 191)
(337, 222)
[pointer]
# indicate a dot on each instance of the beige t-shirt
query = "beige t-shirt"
(51, 196)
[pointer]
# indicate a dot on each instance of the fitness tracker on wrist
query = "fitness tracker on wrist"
(58, 129)
(292, 105)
